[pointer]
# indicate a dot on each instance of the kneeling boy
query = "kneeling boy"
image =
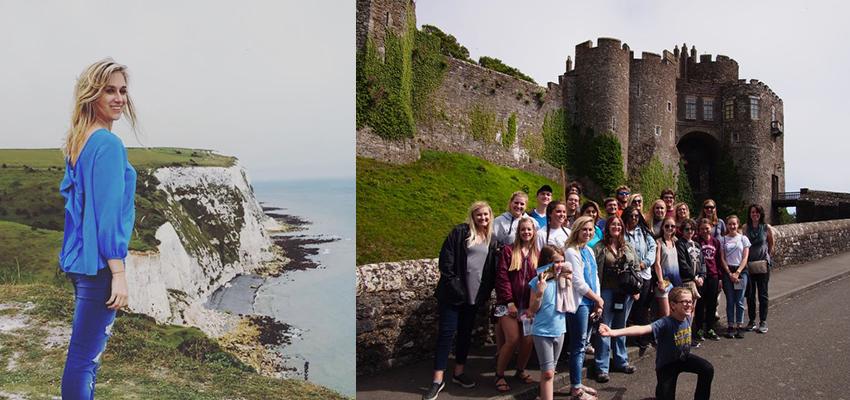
(673, 334)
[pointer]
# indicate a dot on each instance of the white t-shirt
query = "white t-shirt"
(557, 237)
(734, 248)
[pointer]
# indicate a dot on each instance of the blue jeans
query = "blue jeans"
(453, 319)
(577, 329)
(615, 319)
(90, 330)
(735, 298)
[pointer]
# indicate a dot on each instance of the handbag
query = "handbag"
(628, 279)
(757, 267)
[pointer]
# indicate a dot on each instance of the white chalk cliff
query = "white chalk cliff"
(215, 230)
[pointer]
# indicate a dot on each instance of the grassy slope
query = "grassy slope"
(404, 212)
(142, 360)
(28, 255)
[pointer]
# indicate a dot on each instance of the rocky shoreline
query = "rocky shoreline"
(262, 333)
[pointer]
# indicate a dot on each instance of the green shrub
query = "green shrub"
(510, 134)
(429, 67)
(652, 179)
(497, 65)
(482, 124)
(684, 194)
(606, 162)
(557, 147)
(448, 44)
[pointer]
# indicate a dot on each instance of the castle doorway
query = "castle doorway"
(700, 152)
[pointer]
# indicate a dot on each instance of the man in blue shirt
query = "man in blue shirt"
(673, 334)
(544, 197)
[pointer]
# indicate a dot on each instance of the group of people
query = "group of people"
(565, 277)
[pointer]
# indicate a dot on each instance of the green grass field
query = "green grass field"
(29, 255)
(139, 157)
(143, 360)
(405, 212)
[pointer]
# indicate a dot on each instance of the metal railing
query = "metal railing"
(787, 196)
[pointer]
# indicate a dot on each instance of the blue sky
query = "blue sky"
(271, 82)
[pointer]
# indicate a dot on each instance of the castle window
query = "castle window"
(772, 113)
(637, 128)
(614, 124)
(669, 106)
(754, 107)
(708, 108)
(638, 89)
(729, 109)
(690, 107)
(657, 130)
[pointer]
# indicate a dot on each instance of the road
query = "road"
(805, 355)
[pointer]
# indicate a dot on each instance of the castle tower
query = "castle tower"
(652, 110)
(753, 120)
(602, 89)
(376, 17)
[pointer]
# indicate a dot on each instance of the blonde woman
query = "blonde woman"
(98, 188)
(467, 275)
(517, 266)
(636, 201)
(683, 212)
(656, 216)
(735, 251)
(585, 282)
(505, 225)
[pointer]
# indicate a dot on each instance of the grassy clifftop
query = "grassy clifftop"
(405, 211)
(143, 360)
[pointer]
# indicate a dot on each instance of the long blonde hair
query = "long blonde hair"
(649, 215)
(89, 88)
(516, 255)
(473, 230)
(573, 240)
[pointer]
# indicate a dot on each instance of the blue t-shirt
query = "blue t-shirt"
(673, 338)
(541, 219)
(548, 321)
(590, 273)
(597, 236)
(99, 191)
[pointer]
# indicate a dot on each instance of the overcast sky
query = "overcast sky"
(271, 82)
(798, 48)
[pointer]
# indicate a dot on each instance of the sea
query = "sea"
(317, 302)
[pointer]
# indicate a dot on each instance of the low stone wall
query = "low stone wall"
(397, 313)
(809, 241)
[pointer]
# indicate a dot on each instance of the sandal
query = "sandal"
(591, 391)
(502, 384)
(524, 377)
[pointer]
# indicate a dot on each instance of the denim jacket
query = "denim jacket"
(644, 245)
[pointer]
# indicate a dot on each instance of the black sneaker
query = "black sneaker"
(464, 381)
(433, 391)
(751, 326)
(695, 344)
(711, 335)
(698, 336)
(739, 334)
(730, 333)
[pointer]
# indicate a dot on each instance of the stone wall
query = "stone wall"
(401, 151)
(397, 313)
(809, 241)
(467, 87)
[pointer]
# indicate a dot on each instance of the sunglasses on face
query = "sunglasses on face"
(709, 207)
(637, 201)
(623, 193)
(669, 226)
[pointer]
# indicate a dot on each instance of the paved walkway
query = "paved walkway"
(409, 382)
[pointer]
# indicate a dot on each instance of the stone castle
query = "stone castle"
(676, 106)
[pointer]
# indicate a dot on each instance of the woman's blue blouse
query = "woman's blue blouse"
(99, 193)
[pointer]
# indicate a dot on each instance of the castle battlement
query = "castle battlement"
(603, 43)
(647, 57)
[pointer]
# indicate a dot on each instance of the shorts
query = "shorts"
(548, 350)
(693, 288)
(662, 294)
